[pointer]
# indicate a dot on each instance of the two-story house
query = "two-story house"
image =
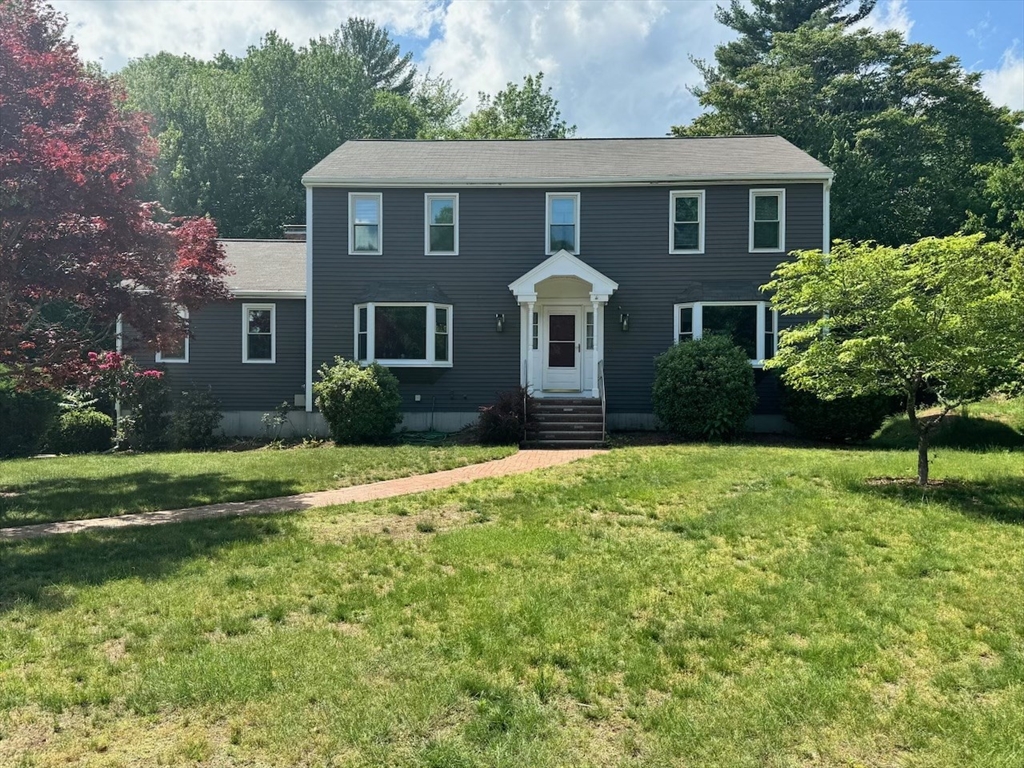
(471, 267)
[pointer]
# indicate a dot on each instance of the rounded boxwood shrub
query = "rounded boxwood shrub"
(839, 420)
(704, 388)
(85, 431)
(195, 420)
(360, 405)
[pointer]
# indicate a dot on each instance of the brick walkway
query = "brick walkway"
(516, 464)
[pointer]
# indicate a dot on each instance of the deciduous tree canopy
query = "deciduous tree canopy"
(518, 112)
(78, 247)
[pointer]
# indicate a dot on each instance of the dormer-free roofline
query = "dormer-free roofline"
(444, 183)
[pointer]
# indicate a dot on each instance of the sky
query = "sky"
(617, 67)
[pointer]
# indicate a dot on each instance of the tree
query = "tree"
(526, 112)
(78, 248)
(766, 18)
(1004, 193)
(941, 319)
(907, 133)
(381, 58)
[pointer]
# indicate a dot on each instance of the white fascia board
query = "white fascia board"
(268, 294)
(355, 183)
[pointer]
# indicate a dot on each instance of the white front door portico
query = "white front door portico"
(562, 302)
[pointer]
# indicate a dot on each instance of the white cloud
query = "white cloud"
(617, 68)
(889, 14)
(1005, 84)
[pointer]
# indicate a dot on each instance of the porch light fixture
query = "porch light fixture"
(624, 320)
(499, 322)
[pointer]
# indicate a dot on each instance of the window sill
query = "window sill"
(259, 362)
(366, 253)
(767, 250)
(170, 362)
(408, 363)
(441, 253)
(686, 253)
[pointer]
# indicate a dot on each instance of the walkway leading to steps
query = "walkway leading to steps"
(516, 464)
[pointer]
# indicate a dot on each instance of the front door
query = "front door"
(562, 364)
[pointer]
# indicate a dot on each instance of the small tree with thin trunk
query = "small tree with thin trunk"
(941, 320)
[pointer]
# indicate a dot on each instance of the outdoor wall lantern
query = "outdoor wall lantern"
(499, 322)
(624, 320)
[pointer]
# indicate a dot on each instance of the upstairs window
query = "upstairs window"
(686, 222)
(752, 325)
(563, 222)
(259, 332)
(176, 350)
(404, 335)
(442, 235)
(364, 229)
(768, 220)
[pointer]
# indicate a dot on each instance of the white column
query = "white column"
(595, 355)
(529, 345)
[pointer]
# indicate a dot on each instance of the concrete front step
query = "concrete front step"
(565, 418)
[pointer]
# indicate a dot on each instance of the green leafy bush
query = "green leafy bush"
(25, 419)
(839, 420)
(704, 389)
(82, 431)
(195, 420)
(503, 422)
(360, 405)
(145, 426)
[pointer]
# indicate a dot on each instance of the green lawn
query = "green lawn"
(661, 606)
(69, 487)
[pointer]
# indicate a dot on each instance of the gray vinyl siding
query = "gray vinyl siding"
(215, 357)
(624, 233)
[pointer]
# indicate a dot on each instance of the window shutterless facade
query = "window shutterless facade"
(259, 333)
(441, 235)
(752, 325)
(686, 221)
(562, 222)
(767, 220)
(399, 334)
(177, 352)
(365, 232)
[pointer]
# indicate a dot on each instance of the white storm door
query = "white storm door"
(563, 367)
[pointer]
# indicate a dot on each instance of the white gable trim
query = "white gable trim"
(563, 264)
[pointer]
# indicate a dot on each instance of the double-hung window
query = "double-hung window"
(259, 333)
(767, 220)
(686, 221)
(442, 231)
(752, 325)
(563, 222)
(175, 350)
(364, 223)
(398, 334)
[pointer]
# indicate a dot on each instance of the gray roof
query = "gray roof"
(271, 266)
(595, 161)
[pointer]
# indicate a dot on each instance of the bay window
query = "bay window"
(752, 325)
(401, 334)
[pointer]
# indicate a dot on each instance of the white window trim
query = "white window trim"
(698, 322)
(430, 362)
(781, 194)
(352, 197)
(273, 333)
(672, 197)
(427, 223)
(548, 197)
(159, 358)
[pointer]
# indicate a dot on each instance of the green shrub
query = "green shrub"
(839, 420)
(360, 405)
(704, 389)
(25, 419)
(504, 422)
(145, 426)
(195, 420)
(83, 431)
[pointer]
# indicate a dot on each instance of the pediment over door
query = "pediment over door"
(563, 264)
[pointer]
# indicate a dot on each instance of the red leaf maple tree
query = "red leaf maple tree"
(78, 245)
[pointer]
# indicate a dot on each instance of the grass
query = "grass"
(992, 423)
(69, 487)
(655, 606)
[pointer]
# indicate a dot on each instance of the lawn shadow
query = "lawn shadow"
(49, 500)
(961, 433)
(999, 499)
(38, 571)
